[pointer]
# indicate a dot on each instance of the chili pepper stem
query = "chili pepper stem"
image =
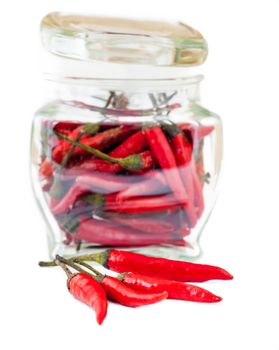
(132, 163)
(65, 268)
(101, 258)
(47, 263)
(70, 263)
(89, 267)
(74, 264)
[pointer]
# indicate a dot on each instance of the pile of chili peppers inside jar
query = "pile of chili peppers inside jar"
(141, 280)
(124, 185)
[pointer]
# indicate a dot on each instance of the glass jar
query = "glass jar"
(123, 154)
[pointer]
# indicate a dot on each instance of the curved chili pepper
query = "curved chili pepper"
(122, 294)
(135, 162)
(99, 141)
(108, 234)
(90, 292)
(199, 200)
(142, 223)
(81, 133)
(65, 127)
(85, 288)
(163, 153)
(65, 148)
(183, 154)
(89, 183)
(146, 162)
(175, 289)
(154, 184)
(114, 288)
(135, 143)
(123, 261)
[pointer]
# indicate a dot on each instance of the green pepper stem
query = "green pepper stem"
(47, 263)
(71, 150)
(101, 258)
(98, 277)
(89, 267)
(65, 268)
(133, 162)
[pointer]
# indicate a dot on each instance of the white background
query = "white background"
(241, 84)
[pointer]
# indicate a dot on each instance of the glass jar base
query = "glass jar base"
(169, 252)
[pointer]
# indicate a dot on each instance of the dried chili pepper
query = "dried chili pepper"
(123, 261)
(175, 289)
(108, 234)
(87, 290)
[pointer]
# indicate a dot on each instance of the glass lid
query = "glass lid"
(116, 40)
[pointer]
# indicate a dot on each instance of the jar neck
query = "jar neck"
(119, 94)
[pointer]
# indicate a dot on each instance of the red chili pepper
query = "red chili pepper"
(114, 288)
(108, 234)
(135, 162)
(134, 205)
(122, 294)
(90, 292)
(61, 150)
(199, 200)
(65, 127)
(106, 138)
(183, 155)
(92, 165)
(123, 261)
(87, 290)
(145, 160)
(136, 143)
(163, 153)
(142, 223)
(99, 141)
(154, 184)
(175, 289)
(90, 183)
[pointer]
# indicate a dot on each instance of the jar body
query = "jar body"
(152, 187)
